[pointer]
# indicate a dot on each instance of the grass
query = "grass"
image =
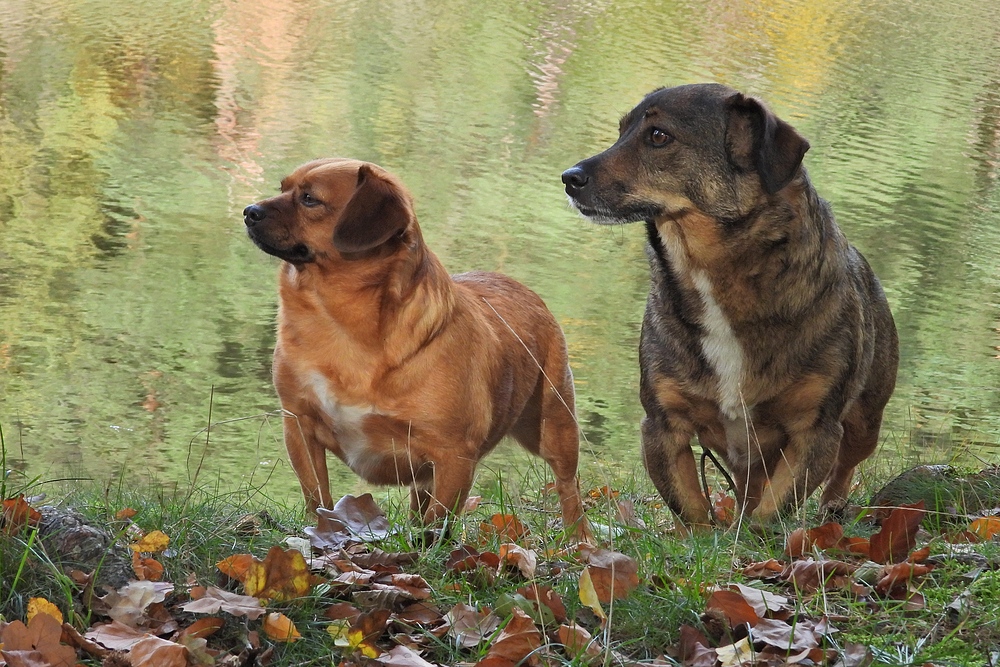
(207, 524)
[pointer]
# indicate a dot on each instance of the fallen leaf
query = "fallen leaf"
(401, 656)
(739, 654)
(211, 600)
(524, 559)
(236, 567)
(785, 637)
(733, 607)
(898, 534)
(763, 602)
(43, 606)
(147, 569)
(900, 575)
(769, 569)
(115, 636)
(503, 526)
(544, 595)
(588, 594)
(986, 528)
(203, 627)
(518, 639)
(152, 542)
(280, 628)
(578, 642)
(283, 575)
(797, 544)
(155, 652)
(36, 644)
(613, 574)
(16, 514)
(352, 519)
(693, 648)
(128, 604)
(810, 575)
(468, 626)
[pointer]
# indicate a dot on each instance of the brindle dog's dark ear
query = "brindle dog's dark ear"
(376, 212)
(758, 140)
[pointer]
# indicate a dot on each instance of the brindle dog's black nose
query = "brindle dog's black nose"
(253, 214)
(575, 179)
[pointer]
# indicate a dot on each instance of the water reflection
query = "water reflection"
(132, 306)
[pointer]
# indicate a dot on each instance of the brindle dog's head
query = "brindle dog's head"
(330, 209)
(700, 147)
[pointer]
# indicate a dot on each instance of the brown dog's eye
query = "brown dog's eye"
(658, 137)
(308, 200)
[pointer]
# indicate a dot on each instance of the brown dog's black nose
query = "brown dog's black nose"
(253, 214)
(575, 179)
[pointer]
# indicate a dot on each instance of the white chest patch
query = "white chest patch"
(347, 421)
(719, 344)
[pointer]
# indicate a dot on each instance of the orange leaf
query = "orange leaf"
(896, 576)
(236, 567)
(578, 642)
(203, 627)
(986, 528)
(280, 628)
(827, 536)
(506, 526)
(126, 513)
(17, 513)
(148, 569)
(798, 543)
(898, 534)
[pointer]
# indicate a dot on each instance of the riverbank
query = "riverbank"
(228, 578)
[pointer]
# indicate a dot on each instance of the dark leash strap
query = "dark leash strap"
(707, 454)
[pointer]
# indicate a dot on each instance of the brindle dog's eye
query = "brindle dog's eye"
(658, 137)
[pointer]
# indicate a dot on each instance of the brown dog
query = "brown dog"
(408, 375)
(766, 334)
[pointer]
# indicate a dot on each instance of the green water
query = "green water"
(134, 311)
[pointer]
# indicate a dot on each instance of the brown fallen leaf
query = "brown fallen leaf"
(898, 534)
(899, 576)
(763, 602)
(546, 596)
(785, 637)
(129, 603)
(352, 519)
(145, 568)
(36, 644)
(211, 600)
(578, 643)
(694, 650)
(155, 652)
(401, 656)
(518, 640)
(732, 605)
(810, 575)
(613, 574)
(468, 626)
(202, 628)
(115, 636)
(524, 559)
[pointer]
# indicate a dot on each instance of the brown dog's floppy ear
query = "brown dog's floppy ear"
(376, 212)
(759, 140)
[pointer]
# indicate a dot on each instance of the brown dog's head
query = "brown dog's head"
(700, 147)
(330, 208)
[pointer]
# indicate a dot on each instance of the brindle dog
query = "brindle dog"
(766, 333)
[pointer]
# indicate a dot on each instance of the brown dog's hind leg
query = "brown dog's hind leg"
(667, 456)
(450, 488)
(547, 427)
(859, 442)
(803, 465)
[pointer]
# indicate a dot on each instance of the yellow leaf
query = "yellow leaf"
(588, 594)
(280, 628)
(256, 578)
(153, 542)
(43, 606)
(339, 630)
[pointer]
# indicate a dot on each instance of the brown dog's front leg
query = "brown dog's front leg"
(667, 455)
(308, 458)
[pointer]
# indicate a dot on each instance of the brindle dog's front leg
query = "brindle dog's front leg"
(667, 455)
